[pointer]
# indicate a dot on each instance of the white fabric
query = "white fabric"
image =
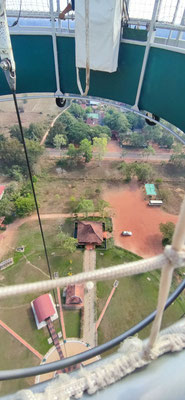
(104, 34)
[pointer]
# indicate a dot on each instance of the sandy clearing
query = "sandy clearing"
(131, 212)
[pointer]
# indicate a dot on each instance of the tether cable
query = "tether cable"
(32, 185)
(17, 20)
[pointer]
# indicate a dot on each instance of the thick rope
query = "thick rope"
(167, 274)
(130, 357)
(87, 54)
(117, 271)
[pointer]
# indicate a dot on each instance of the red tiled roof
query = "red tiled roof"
(43, 307)
(2, 189)
(74, 294)
(90, 232)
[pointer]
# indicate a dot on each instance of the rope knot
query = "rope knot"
(176, 258)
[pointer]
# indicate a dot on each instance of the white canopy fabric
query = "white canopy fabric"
(104, 34)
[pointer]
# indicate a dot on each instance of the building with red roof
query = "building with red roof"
(2, 189)
(74, 297)
(90, 232)
(43, 308)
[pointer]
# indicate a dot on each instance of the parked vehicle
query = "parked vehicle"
(155, 203)
(126, 233)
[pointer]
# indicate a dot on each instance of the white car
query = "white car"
(126, 233)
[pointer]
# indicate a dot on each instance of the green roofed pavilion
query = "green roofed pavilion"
(150, 189)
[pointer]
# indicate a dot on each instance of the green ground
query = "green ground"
(133, 300)
(16, 312)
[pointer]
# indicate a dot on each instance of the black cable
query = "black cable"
(17, 20)
(86, 355)
(32, 185)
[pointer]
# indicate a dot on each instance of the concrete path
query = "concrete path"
(21, 340)
(89, 332)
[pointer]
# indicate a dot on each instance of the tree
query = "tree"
(77, 111)
(143, 172)
(78, 132)
(16, 134)
(116, 121)
(166, 140)
(148, 151)
(135, 121)
(178, 156)
(137, 140)
(167, 231)
(100, 147)
(24, 205)
(12, 154)
(100, 131)
(85, 206)
(7, 207)
(86, 150)
(102, 204)
(59, 141)
(67, 242)
(2, 138)
(35, 150)
(73, 153)
(35, 132)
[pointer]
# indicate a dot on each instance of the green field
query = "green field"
(133, 300)
(16, 311)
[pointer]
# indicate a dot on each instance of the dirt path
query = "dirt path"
(89, 332)
(8, 237)
(132, 213)
(52, 124)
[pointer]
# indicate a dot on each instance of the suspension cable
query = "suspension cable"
(32, 184)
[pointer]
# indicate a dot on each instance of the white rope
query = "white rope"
(87, 54)
(117, 271)
(171, 253)
(130, 357)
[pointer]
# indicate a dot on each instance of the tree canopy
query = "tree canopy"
(116, 121)
(167, 231)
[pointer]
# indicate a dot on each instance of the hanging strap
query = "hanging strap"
(87, 54)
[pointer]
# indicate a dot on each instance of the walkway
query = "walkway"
(89, 332)
(54, 337)
(21, 340)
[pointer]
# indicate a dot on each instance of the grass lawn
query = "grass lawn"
(133, 300)
(72, 323)
(16, 312)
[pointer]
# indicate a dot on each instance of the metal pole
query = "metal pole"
(173, 20)
(58, 92)
(145, 59)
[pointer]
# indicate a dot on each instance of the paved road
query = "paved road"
(89, 329)
(131, 155)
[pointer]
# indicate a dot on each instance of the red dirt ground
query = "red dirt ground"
(113, 147)
(131, 212)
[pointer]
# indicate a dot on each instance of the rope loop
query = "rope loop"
(175, 258)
